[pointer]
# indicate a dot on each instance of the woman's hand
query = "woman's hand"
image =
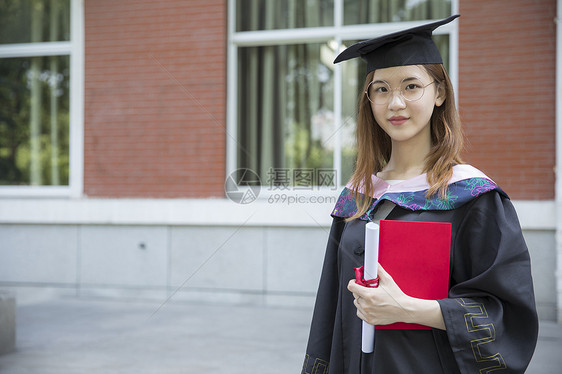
(387, 304)
(382, 305)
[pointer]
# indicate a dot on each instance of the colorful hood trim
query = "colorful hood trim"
(458, 194)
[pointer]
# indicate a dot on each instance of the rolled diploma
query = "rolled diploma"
(370, 272)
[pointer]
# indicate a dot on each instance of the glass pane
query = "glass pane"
(379, 11)
(34, 121)
(252, 15)
(442, 42)
(285, 113)
(353, 77)
(25, 21)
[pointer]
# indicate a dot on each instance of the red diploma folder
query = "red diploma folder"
(417, 256)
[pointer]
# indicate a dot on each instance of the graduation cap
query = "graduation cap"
(413, 46)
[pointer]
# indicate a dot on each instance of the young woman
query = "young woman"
(409, 169)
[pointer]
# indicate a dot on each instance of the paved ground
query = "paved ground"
(72, 335)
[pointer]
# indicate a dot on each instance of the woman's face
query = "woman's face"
(401, 119)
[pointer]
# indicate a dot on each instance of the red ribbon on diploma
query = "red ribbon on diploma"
(360, 278)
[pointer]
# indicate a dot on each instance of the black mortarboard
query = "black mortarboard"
(408, 47)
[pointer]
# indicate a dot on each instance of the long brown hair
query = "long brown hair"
(374, 145)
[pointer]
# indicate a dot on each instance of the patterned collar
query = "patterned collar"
(466, 184)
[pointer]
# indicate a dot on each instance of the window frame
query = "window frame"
(75, 50)
(338, 33)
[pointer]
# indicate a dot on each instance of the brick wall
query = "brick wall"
(155, 98)
(507, 92)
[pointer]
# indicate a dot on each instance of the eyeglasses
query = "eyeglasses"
(380, 92)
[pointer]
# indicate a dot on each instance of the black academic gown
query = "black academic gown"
(490, 313)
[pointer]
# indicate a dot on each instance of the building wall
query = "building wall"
(155, 94)
(154, 128)
(250, 264)
(155, 97)
(223, 263)
(507, 57)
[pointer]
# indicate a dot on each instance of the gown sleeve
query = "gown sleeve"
(317, 359)
(490, 314)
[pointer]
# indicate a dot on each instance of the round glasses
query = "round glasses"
(380, 92)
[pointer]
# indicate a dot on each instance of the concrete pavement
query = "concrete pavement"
(76, 335)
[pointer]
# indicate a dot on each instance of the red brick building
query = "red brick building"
(168, 98)
(155, 96)
(155, 99)
(507, 66)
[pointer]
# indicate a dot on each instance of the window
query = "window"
(290, 108)
(37, 52)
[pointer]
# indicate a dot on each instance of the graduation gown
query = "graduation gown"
(490, 314)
